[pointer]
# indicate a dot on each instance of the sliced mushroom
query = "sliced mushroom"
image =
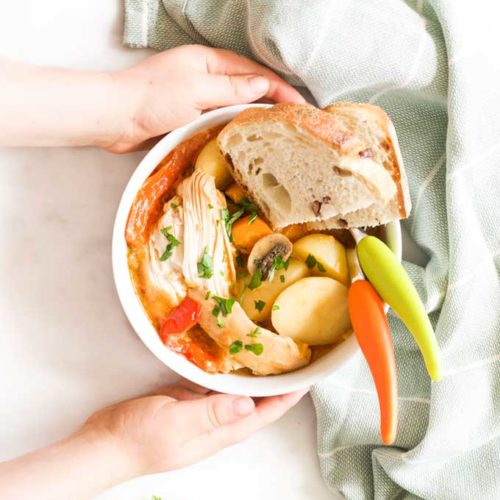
(266, 250)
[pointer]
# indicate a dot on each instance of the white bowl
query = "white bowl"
(232, 384)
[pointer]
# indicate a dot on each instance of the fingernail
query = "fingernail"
(243, 406)
(258, 84)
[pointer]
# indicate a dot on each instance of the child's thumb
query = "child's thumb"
(224, 90)
(212, 412)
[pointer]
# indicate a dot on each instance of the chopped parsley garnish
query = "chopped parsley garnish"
(259, 305)
(156, 498)
(282, 278)
(173, 206)
(311, 262)
(205, 266)
(276, 307)
(236, 347)
(254, 333)
(277, 265)
(172, 243)
(257, 349)
(223, 306)
(229, 219)
(210, 206)
(207, 295)
(256, 280)
(246, 207)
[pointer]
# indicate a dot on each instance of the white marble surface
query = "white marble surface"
(66, 348)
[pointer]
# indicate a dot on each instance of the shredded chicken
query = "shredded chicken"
(166, 275)
(193, 217)
(204, 232)
(279, 354)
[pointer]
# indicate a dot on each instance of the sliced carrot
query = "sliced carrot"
(371, 328)
(235, 192)
(245, 233)
(295, 231)
(150, 198)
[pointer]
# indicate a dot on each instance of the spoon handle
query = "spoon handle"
(393, 284)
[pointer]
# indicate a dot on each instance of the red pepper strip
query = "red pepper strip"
(181, 318)
(371, 328)
(185, 344)
(196, 348)
(150, 198)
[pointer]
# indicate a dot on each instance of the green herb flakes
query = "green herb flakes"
(236, 347)
(172, 243)
(225, 306)
(254, 333)
(205, 265)
(321, 267)
(311, 262)
(256, 280)
(276, 307)
(257, 349)
(249, 208)
(174, 206)
(207, 295)
(229, 219)
(210, 206)
(277, 265)
(259, 305)
(282, 278)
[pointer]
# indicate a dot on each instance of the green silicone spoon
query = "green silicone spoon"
(393, 284)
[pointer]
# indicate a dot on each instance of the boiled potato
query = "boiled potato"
(313, 310)
(269, 290)
(324, 255)
(211, 161)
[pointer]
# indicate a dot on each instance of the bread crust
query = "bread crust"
(337, 126)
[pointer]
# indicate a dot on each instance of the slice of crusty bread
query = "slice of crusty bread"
(337, 167)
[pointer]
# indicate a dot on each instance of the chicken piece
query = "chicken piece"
(279, 354)
(205, 235)
(166, 274)
(148, 202)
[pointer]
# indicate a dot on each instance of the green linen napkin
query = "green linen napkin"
(433, 66)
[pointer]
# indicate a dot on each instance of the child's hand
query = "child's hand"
(172, 88)
(180, 426)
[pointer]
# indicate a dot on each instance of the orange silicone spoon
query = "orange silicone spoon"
(371, 329)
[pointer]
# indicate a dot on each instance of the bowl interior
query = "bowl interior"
(229, 383)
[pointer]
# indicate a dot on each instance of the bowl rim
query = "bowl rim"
(133, 308)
